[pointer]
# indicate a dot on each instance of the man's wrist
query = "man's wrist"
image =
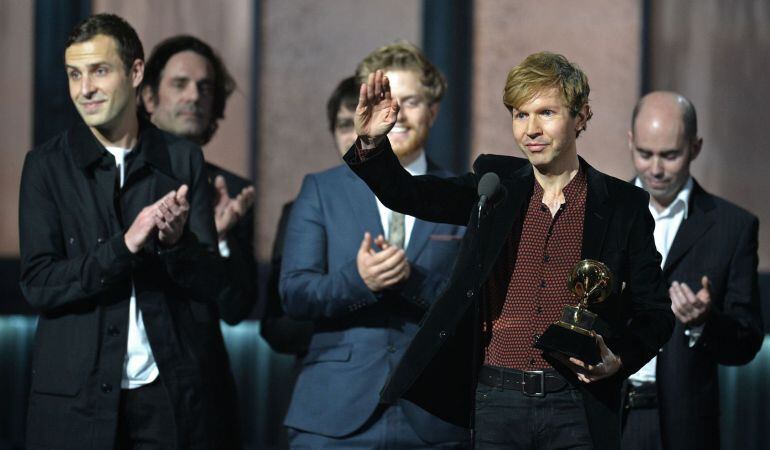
(369, 143)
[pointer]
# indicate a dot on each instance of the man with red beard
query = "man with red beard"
(366, 295)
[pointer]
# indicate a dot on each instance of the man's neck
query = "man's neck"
(122, 135)
(556, 175)
(410, 158)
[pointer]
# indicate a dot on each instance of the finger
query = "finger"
(604, 351)
(181, 195)
(378, 84)
(387, 257)
(249, 196)
(220, 185)
(689, 295)
(366, 243)
(394, 274)
(704, 281)
(386, 88)
(370, 89)
(580, 364)
(362, 96)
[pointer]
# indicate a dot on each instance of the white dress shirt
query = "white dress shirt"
(418, 167)
(667, 223)
(139, 367)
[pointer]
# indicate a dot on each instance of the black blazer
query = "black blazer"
(77, 271)
(436, 371)
(718, 239)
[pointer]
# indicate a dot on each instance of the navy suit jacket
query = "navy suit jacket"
(719, 240)
(359, 336)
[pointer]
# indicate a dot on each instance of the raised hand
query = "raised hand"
(377, 111)
(691, 308)
(171, 216)
(228, 211)
(383, 269)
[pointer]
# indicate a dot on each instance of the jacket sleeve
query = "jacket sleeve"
(194, 262)
(733, 334)
(308, 290)
(428, 197)
(51, 279)
(651, 321)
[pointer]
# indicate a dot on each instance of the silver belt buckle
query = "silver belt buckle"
(529, 379)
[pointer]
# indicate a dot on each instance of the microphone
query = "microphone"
(487, 188)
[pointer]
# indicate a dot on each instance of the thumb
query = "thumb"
(366, 243)
(181, 194)
(220, 185)
(706, 283)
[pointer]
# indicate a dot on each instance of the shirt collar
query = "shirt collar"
(419, 166)
(682, 199)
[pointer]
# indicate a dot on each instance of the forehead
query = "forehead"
(344, 112)
(551, 97)
(404, 82)
(100, 48)
(658, 129)
(188, 64)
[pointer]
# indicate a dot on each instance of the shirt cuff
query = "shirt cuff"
(224, 249)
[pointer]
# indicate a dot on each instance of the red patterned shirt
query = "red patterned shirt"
(528, 291)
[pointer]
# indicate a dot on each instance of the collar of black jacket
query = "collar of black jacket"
(150, 146)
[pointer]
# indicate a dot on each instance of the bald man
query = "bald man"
(709, 249)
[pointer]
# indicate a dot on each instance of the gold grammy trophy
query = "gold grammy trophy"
(591, 282)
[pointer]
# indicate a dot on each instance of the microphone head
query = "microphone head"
(488, 185)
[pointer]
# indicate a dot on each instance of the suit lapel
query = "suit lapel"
(699, 220)
(422, 230)
(597, 214)
(518, 188)
(363, 205)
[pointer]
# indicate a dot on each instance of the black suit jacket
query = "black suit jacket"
(437, 371)
(718, 239)
(77, 271)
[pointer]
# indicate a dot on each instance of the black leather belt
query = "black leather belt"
(642, 397)
(534, 383)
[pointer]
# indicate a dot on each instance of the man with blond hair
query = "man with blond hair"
(365, 276)
(551, 211)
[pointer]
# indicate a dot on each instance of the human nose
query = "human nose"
(191, 92)
(657, 167)
(533, 126)
(87, 88)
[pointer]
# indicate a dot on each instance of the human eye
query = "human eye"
(548, 113)
(101, 71)
(519, 115)
(73, 75)
(206, 88)
(643, 154)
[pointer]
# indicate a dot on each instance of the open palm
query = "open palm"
(377, 111)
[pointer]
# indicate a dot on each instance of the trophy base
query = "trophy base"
(570, 340)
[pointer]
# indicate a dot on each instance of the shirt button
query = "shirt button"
(391, 349)
(112, 330)
(546, 258)
(531, 361)
(543, 208)
(536, 337)
(106, 388)
(542, 283)
(538, 309)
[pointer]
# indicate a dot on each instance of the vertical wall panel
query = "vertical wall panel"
(602, 37)
(718, 55)
(308, 47)
(16, 46)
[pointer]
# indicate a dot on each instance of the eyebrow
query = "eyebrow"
(663, 153)
(90, 66)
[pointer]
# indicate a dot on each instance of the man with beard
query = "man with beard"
(118, 252)
(552, 210)
(709, 249)
(184, 92)
(365, 276)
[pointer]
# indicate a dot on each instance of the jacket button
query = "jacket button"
(469, 293)
(391, 349)
(100, 240)
(106, 388)
(442, 334)
(72, 240)
(112, 330)
(102, 281)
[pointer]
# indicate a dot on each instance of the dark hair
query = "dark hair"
(689, 117)
(224, 85)
(129, 45)
(345, 94)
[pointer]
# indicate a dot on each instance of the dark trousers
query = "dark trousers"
(508, 419)
(146, 419)
(641, 418)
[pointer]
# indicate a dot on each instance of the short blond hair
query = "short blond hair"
(546, 70)
(403, 55)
